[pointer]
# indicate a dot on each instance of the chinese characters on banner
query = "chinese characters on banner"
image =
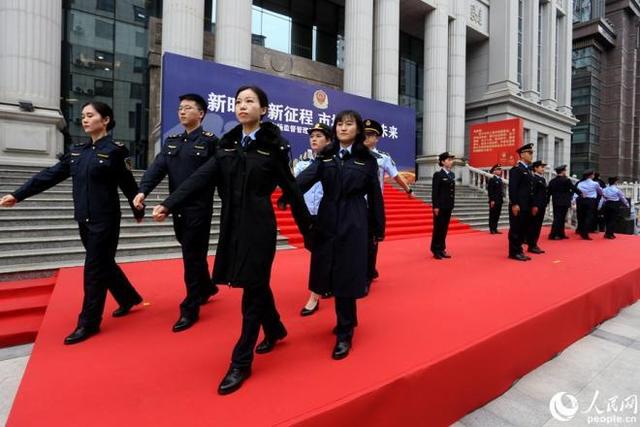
(495, 142)
(294, 106)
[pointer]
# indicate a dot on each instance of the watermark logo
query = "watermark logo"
(614, 410)
(559, 410)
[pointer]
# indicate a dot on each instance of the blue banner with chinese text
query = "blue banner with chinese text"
(293, 105)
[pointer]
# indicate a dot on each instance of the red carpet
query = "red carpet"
(436, 340)
(22, 307)
(405, 217)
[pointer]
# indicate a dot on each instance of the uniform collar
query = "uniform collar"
(194, 134)
(102, 141)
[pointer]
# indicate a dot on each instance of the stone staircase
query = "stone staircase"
(471, 207)
(39, 234)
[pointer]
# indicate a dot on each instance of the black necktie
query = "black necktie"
(246, 141)
(343, 153)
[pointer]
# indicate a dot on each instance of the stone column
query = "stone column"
(182, 27)
(386, 50)
(30, 62)
(436, 57)
(233, 33)
(565, 44)
(358, 47)
(457, 79)
(548, 46)
(503, 47)
(531, 21)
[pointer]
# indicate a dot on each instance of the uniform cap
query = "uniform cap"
(373, 126)
(322, 128)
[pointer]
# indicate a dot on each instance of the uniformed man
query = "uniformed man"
(587, 204)
(538, 206)
(495, 189)
(520, 201)
(386, 165)
(560, 191)
(610, 204)
(598, 221)
(442, 199)
(181, 155)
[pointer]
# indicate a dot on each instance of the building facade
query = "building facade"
(605, 87)
(456, 62)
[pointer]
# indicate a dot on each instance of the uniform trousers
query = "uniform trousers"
(258, 309)
(518, 226)
(372, 255)
(611, 211)
(533, 232)
(494, 216)
(559, 219)
(192, 229)
(440, 228)
(101, 273)
(587, 208)
(347, 318)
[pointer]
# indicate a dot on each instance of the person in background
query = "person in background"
(386, 166)
(495, 190)
(520, 202)
(610, 203)
(587, 203)
(560, 192)
(319, 138)
(538, 207)
(97, 168)
(443, 191)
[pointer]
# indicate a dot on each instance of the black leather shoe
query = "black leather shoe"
(536, 250)
(519, 257)
(123, 310)
(341, 350)
(555, 238)
(268, 343)
(585, 237)
(437, 255)
(375, 274)
(208, 294)
(80, 334)
(308, 312)
(444, 254)
(184, 322)
(233, 379)
(609, 237)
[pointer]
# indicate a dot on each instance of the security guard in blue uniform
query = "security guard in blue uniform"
(97, 169)
(181, 155)
(520, 202)
(495, 190)
(443, 191)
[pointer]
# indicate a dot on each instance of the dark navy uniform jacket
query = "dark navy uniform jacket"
(443, 190)
(97, 170)
(495, 189)
(539, 195)
(521, 186)
(181, 155)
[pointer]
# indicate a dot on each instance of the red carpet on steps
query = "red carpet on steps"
(22, 307)
(436, 340)
(406, 217)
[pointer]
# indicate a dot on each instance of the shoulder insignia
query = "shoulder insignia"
(384, 153)
(327, 160)
(207, 133)
(376, 155)
(118, 143)
(264, 153)
(175, 135)
(359, 163)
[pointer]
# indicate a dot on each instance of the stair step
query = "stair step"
(19, 329)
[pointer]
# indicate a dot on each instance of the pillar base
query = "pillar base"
(30, 139)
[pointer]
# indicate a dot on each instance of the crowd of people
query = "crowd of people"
(335, 191)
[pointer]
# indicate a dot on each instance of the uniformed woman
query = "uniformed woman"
(97, 168)
(251, 160)
(348, 172)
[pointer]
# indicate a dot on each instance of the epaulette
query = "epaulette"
(79, 144)
(209, 134)
(118, 144)
(174, 136)
(376, 155)
(384, 153)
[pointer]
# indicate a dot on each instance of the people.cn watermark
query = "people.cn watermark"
(614, 410)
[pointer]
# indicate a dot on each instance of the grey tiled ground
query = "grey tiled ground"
(13, 360)
(606, 362)
(601, 366)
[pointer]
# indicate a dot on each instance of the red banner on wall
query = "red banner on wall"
(495, 142)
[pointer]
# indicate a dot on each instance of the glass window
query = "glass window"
(103, 88)
(136, 91)
(104, 29)
(106, 5)
(520, 30)
(139, 65)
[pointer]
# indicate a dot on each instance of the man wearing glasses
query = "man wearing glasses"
(180, 156)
